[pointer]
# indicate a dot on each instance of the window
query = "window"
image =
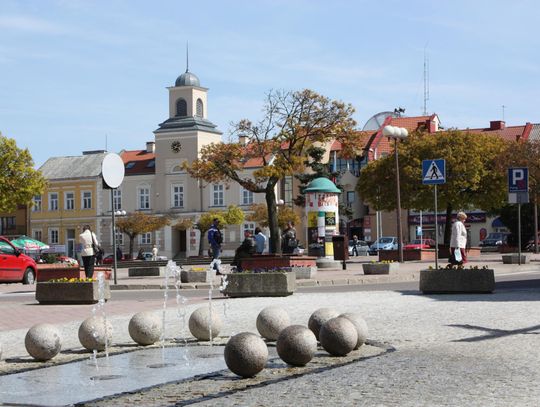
(86, 200)
(119, 236)
(145, 238)
(69, 201)
(37, 234)
(177, 168)
(144, 198)
(217, 195)
(177, 196)
(351, 197)
(181, 107)
(151, 164)
(117, 199)
(199, 108)
(7, 224)
(53, 201)
(288, 190)
(247, 197)
(248, 227)
(53, 236)
(36, 207)
(130, 165)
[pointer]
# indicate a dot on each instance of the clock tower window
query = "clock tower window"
(181, 107)
(200, 108)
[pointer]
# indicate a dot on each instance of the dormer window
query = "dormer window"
(130, 165)
(181, 108)
(200, 108)
(151, 164)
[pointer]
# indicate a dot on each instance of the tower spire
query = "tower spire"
(187, 56)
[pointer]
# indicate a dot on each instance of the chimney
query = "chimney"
(150, 146)
(243, 140)
(497, 125)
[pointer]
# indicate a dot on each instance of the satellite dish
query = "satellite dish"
(112, 170)
(376, 121)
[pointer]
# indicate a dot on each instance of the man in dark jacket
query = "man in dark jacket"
(215, 239)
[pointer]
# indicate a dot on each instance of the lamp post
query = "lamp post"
(114, 215)
(397, 133)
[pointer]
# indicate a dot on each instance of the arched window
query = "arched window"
(199, 108)
(181, 107)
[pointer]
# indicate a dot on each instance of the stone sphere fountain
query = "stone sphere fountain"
(338, 336)
(43, 341)
(319, 317)
(93, 335)
(296, 345)
(199, 324)
(145, 327)
(246, 354)
(360, 325)
(271, 321)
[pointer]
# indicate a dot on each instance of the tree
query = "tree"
(259, 214)
(292, 122)
(233, 216)
(19, 181)
(136, 223)
(471, 181)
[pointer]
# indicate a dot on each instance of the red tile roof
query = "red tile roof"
(510, 133)
(141, 160)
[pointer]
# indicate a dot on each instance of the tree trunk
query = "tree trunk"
(274, 246)
(131, 240)
(448, 225)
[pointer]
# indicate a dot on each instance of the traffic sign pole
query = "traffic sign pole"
(436, 233)
(519, 234)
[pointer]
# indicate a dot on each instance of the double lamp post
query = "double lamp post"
(397, 133)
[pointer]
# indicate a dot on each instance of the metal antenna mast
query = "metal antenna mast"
(426, 81)
(503, 107)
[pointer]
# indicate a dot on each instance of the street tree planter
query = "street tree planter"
(380, 268)
(276, 284)
(70, 292)
(460, 280)
(513, 258)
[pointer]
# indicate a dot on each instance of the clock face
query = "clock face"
(176, 146)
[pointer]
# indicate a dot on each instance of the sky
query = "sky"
(87, 75)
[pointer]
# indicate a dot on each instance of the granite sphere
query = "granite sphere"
(145, 327)
(271, 321)
(246, 354)
(199, 324)
(319, 317)
(296, 345)
(360, 325)
(43, 341)
(92, 333)
(338, 336)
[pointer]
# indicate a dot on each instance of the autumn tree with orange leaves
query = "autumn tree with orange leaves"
(291, 123)
(136, 223)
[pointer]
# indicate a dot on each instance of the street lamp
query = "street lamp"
(114, 215)
(397, 133)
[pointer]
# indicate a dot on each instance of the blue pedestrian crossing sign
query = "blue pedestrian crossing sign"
(433, 171)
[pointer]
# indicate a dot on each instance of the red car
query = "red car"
(418, 244)
(15, 267)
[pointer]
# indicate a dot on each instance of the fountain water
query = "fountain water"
(214, 265)
(99, 309)
(226, 304)
(181, 311)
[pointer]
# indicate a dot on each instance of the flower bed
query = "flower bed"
(70, 291)
(451, 280)
(48, 272)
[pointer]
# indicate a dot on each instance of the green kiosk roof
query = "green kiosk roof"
(322, 185)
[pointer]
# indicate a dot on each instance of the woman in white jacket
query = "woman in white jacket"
(458, 240)
(86, 239)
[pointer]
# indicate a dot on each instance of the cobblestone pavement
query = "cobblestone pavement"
(450, 350)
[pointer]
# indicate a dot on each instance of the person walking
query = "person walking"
(154, 253)
(458, 240)
(355, 245)
(215, 239)
(119, 253)
(260, 241)
(288, 239)
(88, 241)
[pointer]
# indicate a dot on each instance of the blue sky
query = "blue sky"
(73, 72)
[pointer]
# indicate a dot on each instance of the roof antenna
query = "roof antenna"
(503, 107)
(187, 56)
(426, 79)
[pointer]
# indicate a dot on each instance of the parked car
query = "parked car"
(361, 246)
(384, 243)
(418, 244)
(15, 267)
(495, 239)
(148, 256)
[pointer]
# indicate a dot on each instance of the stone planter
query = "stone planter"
(445, 281)
(380, 268)
(270, 261)
(514, 258)
(153, 271)
(194, 276)
(260, 284)
(70, 293)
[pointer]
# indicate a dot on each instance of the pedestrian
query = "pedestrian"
(244, 251)
(215, 239)
(119, 253)
(154, 253)
(140, 255)
(260, 240)
(288, 239)
(355, 245)
(88, 241)
(458, 241)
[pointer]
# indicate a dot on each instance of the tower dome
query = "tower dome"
(187, 79)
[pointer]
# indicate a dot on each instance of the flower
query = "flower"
(72, 280)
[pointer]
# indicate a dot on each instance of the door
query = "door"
(10, 269)
(183, 247)
(71, 243)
